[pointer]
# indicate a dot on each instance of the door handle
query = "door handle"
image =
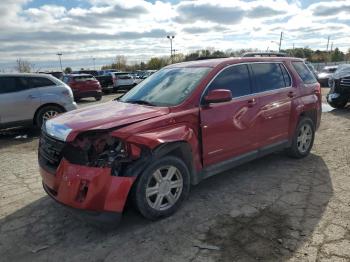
(251, 102)
(291, 94)
(31, 97)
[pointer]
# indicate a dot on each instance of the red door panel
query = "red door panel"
(228, 129)
(274, 116)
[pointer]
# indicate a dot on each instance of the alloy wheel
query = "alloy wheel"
(304, 138)
(164, 188)
(49, 114)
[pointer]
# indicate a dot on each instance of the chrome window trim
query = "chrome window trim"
(248, 63)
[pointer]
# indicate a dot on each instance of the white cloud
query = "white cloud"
(138, 29)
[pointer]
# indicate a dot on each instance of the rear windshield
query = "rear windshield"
(83, 78)
(304, 73)
(124, 76)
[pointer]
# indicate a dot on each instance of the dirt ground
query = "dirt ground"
(272, 209)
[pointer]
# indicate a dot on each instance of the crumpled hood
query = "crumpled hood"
(107, 115)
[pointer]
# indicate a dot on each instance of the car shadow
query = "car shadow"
(17, 136)
(345, 112)
(265, 209)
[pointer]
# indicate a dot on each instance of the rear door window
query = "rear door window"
(10, 84)
(286, 76)
(40, 82)
(268, 76)
(235, 78)
(304, 72)
(7, 85)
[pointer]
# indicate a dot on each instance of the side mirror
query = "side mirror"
(218, 96)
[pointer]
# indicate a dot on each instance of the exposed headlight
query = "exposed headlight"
(97, 150)
(56, 130)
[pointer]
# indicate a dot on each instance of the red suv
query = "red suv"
(185, 123)
(83, 85)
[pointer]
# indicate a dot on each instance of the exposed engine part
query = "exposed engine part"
(97, 150)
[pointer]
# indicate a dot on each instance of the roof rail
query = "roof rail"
(265, 54)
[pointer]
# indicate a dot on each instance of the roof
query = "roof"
(80, 75)
(232, 60)
(26, 74)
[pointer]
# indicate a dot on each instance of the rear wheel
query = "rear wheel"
(47, 113)
(162, 187)
(303, 139)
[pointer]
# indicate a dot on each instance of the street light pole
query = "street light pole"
(171, 37)
(279, 48)
(93, 59)
(59, 56)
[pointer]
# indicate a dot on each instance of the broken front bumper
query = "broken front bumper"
(88, 188)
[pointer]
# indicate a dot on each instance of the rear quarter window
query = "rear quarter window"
(304, 72)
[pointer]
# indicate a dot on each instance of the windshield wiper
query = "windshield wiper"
(140, 102)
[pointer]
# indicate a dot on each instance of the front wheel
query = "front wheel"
(303, 139)
(47, 113)
(162, 187)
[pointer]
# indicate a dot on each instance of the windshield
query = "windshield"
(167, 87)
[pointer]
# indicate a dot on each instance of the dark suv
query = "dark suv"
(184, 123)
(339, 82)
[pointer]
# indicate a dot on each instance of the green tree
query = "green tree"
(68, 70)
(337, 55)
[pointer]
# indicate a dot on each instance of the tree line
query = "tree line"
(155, 63)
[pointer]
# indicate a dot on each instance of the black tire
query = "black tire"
(295, 150)
(142, 202)
(339, 105)
(45, 111)
(98, 98)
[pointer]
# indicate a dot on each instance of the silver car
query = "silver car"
(30, 99)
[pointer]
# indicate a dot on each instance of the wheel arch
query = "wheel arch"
(179, 149)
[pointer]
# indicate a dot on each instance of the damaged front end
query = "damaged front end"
(93, 172)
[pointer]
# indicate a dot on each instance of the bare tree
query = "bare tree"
(120, 61)
(23, 66)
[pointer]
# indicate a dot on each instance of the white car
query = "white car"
(31, 99)
(122, 81)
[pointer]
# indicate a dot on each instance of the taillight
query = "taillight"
(318, 89)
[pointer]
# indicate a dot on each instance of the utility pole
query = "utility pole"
(281, 37)
(171, 37)
(93, 59)
(59, 56)
(328, 42)
(327, 48)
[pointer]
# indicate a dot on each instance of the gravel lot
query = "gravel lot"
(272, 209)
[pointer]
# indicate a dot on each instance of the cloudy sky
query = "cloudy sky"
(36, 30)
